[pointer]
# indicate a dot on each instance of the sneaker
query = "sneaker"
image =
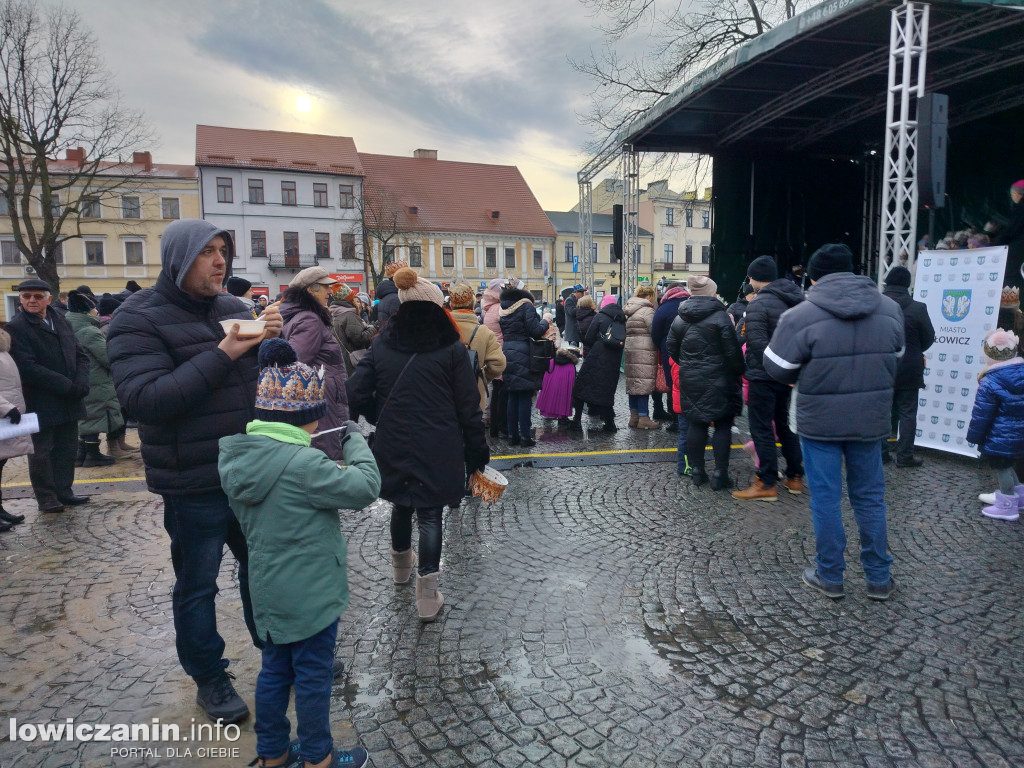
(348, 758)
(882, 591)
(513, 441)
(813, 580)
(528, 442)
(220, 701)
(293, 760)
(913, 461)
(794, 485)
(758, 491)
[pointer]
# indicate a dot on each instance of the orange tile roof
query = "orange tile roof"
(455, 197)
(280, 150)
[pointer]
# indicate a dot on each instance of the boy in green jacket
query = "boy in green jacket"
(286, 496)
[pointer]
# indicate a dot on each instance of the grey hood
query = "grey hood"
(846, 295)
(183, 240)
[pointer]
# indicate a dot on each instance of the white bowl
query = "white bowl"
(247, 329)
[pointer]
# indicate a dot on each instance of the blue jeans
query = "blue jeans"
(865, 484)
(638, 403)
(199, 527)
(430, 521)
(306, 666)
(520, 409)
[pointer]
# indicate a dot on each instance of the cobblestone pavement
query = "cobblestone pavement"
(596, 616)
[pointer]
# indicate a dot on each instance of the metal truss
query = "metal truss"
(630, 219)
(586, 273)
(991, 104)
(908, 55)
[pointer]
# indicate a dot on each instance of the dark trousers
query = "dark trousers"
(307, 666)
(520, 409)
(697, 440)
(429, 522)
(199, 527)
(904, 415)
(768, 414)
(51, 466)
(498, 408)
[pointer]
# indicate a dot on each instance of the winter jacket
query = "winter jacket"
(584, 318)
(919, 335)
(350, 331)
(286, 496)
(703, 343)
(841, 347)
(519, 323)
(431, 430)
(598, 377)
(102, 409)
(11, 396)
(54, 369)
(490, 306)
(997, 422)
(572, 334)
(762, 318)
(488, 350)
(736, 311)
(387, 292)
(641, 353)
(315, 345)
(664, 316)
(560, 316)
(185, 393)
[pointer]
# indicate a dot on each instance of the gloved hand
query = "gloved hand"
(78, 391)
(14, 415)
(351, 428)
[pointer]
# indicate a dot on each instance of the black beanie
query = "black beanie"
(79, 302)
(132, 286)
(763, 269)
(829, 259)
(898, 276)
(107, 305)
(237, 286)
(87, 292)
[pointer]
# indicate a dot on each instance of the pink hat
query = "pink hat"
(1018, 186)
(611, 298)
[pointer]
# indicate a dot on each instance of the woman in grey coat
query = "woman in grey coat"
(12, 406)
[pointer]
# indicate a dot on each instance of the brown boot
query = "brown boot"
(125, 446)
(114, 450)
(758, 491)
(794, 485)
(645, 422)
(428, 597)
(634, 418)
(403, 563)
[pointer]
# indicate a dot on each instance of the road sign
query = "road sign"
(575, 263)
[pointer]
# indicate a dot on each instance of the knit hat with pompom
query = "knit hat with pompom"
(288, 391)
(1000, 346)
(412, 287)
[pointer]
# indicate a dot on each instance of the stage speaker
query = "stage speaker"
(932, 122)
(617, 232)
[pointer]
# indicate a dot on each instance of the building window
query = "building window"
(389, 254)
(9, 253)
(447, 256)
(491, 257)
(705, 219)
(469, 258)
(538, 260)
(55, 205)
(91, 208)
(569, 252)
(593, 253)
(346, 198)
(58, 253)
(256, 191)
(689, 217)
(93, 253)
(131, 208)
(348, 246)
(415, 256)
(288, 193)
(510, 258)
(669, 252)
(258, 243)
(320, 195)
(611, 253)
(670, 216)
(291, 245)
(638, 255)
(169, 208)
(705, 254)
(323, 245)
(225, 190)
(133, 253)
(5, 207)
(689, 253)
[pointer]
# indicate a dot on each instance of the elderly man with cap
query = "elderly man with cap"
(241, 289)
(54, 373)
(841, 347)
(768, 400)
(572, 328)
(188, 384)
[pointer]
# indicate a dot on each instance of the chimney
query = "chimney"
(414, 210)
(425, 154)
(76, 155)
(144, 159)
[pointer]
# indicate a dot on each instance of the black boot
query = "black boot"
(7, 517)
(80, 456)
(5, 527)
(93, 457)
(658, 411)
(720, 480)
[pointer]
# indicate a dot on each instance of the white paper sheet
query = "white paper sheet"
(28, 425)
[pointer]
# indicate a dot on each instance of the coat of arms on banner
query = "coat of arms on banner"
(956, 303)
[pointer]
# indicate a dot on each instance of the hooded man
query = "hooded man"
(572, 329)
(188, 384)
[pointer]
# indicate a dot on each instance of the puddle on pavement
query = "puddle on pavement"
(363, 691)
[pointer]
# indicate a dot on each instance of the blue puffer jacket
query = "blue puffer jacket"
(519, 322)
(997, 423)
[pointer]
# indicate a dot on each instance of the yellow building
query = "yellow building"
(121, 229)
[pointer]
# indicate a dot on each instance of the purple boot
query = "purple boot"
(1005, 508)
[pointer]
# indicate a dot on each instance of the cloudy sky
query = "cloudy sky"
(478, 81)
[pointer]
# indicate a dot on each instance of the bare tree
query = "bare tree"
(385, 228)
(56, 95)
(676, 39)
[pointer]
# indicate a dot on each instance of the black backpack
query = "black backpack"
(474, 358)
(615, 336)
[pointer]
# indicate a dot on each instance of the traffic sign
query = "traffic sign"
(575, 263)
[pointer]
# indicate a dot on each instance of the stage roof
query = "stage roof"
(817, 83)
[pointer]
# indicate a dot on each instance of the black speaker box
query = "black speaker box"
(932, 123)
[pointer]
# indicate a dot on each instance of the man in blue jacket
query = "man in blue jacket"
(841, 347)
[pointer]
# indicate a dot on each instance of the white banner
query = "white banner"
(962, 290)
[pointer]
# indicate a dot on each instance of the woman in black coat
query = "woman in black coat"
(598, 377)
(417, 386)
(703, 342)
(519, 323)
(586, 311)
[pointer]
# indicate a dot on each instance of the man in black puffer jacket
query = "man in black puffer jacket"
(387, 293)
(767, 399)
(189, 385)
(519, 323)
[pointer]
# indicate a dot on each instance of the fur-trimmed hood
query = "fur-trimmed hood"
(420, 326)
(512, 299)
(566, 357)
(5, 341)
